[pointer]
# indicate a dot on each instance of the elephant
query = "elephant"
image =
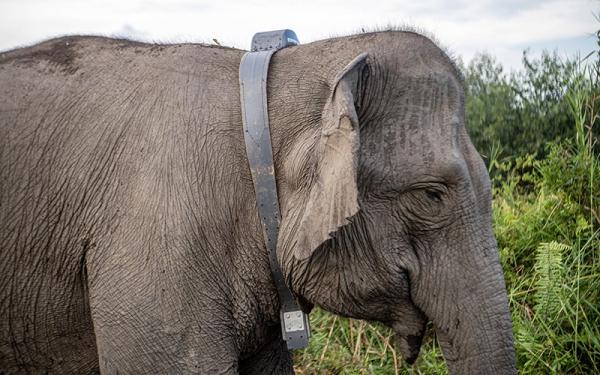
(129, 235)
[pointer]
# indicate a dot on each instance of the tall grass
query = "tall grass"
(547, 223)
(347, 346)
(555, 308)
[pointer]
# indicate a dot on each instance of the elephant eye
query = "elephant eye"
(428, 205)
(434, 195)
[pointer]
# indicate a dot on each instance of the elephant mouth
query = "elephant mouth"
(409, 345)
(409, 329)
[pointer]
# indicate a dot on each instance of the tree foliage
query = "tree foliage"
(518, 113)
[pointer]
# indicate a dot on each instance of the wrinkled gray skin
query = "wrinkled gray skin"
(129, 236)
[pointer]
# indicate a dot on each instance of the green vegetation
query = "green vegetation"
(538, 130)
(516, 114)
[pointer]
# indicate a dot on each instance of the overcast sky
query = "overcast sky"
(501, 27)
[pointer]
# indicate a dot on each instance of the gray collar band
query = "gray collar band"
(254, 69)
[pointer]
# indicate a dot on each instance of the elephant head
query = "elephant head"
(385, 202)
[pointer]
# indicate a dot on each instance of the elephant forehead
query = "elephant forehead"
(397, 151)
(416, 130)
(394, 168)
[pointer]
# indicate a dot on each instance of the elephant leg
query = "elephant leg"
(145, 324)
(131, 342)
(272, 358)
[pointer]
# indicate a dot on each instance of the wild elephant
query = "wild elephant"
(129, 236)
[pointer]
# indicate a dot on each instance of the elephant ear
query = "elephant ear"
(333, 196)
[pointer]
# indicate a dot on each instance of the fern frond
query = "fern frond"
(549, 273)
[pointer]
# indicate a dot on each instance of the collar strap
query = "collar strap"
(254, 69)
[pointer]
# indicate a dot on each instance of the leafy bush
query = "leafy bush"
(515, 114)
(554, 288)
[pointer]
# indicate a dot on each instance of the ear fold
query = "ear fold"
(333, 195)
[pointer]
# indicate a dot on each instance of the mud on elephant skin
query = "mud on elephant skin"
(129, 236)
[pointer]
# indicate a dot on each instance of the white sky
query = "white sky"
(502, 27)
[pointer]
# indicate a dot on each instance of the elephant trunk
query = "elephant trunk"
(476, 338)
(470, 313)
